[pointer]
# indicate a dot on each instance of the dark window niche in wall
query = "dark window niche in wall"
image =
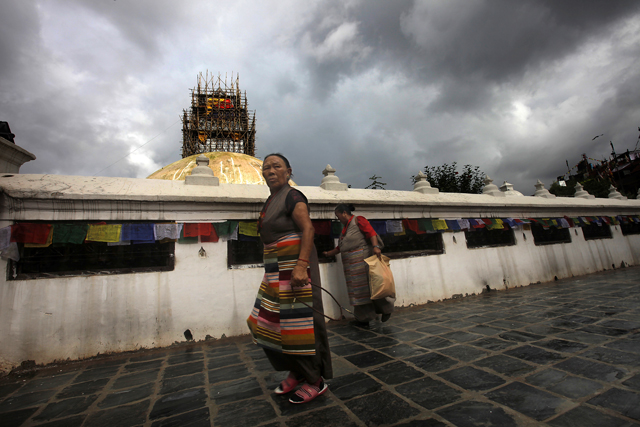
(411, 244)
(549, 236)
(595, 231)
(483, 238)
(91, 258)
(245, 252)
(324, 243)
(630, 228)
(248, 251)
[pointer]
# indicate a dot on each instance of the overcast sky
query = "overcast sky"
(370, 87)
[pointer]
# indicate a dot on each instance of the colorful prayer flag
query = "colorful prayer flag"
(137, 231)
(439, 224)
(197, 229)
(425, 224)
(5, 237)
(322, 227)
(70, 233)
(213, 237)
(169, 231)
(104, 232)
(249, 228)
(27, 232)
(394, 226)
(41, 245)
(412, 224)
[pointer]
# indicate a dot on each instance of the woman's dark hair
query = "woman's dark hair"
(284, 159)
(342, 208)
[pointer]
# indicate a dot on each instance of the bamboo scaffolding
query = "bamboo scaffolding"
(218, 118)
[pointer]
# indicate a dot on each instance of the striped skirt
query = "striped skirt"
(356, 274)
(279, 320)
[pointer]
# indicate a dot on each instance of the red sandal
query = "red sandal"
(288, 384)
(308, 392)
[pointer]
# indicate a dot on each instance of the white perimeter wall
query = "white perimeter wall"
(77, 317)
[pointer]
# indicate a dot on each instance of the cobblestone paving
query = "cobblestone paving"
(561, 354)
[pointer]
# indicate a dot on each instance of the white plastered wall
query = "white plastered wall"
(77, 317)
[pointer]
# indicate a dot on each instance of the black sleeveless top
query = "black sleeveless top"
(275, 219)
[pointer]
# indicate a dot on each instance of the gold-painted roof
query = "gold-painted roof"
(230, 168)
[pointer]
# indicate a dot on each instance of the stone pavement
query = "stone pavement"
(562, 354)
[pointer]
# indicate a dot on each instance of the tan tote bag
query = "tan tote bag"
(380, 278)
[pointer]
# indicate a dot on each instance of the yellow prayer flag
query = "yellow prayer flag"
(439, 224)
(104, 232)
(248, 228)
(496, 224)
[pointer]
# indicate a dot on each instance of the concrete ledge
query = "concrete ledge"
(13, 156)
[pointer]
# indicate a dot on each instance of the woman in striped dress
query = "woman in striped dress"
(358, 241)
(292, 334)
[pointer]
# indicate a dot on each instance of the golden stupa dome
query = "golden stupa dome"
(230, 168)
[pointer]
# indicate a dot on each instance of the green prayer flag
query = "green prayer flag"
(336, 228)
(225, 228)
(425, 224)
(70, 233)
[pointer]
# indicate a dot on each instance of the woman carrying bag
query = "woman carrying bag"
(357, 242)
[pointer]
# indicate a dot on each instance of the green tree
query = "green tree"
(564, 191)
(596, 187)
(375, 184)
(447, 179)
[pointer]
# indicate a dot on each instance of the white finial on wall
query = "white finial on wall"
(202, 174)
(615, 194)
(491, 189)
(543, 192)
(508, 190)
(423, 186)
(581, 193)
(330, 181)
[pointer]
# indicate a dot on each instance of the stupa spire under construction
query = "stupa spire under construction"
(218, 119)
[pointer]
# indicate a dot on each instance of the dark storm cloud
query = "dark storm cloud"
(450, 43)
(478, 56)
(18, 37)
(144, 24)
(382, 87)
(378, 27)
(499, 40)
(73, 107)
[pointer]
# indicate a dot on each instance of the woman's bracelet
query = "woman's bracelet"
(305, 260)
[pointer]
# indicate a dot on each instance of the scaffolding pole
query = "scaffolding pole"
(218, 118)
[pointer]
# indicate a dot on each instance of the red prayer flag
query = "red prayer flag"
(30, 233)
(322, 228)
(212, 237)
(412, 224)
(477, 223)
(197, 229)
(570, 221)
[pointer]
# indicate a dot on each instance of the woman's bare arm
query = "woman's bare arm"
(300, 216)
